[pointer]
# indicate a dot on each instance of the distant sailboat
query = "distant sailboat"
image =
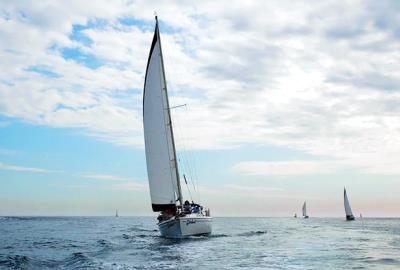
(347, 208)
(305, 210)
(295, 215)
(116, 213)
(176, 219)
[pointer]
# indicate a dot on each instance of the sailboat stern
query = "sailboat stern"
(181, 227)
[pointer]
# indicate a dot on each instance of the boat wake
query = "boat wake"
(252, 233)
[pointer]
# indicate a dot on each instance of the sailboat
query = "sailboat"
(347, 208)
(304, 210)
(116, 213)
(177, 218)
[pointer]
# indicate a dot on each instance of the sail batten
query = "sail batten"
(162, 169)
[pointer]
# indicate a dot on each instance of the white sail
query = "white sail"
(347, 207)
(162, 168)
(304, 209)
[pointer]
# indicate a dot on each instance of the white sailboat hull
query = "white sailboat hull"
(182, 227)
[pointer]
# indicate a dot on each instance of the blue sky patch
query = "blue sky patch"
(78, 35)
(42, 70)
(77, 55)
(129, 21)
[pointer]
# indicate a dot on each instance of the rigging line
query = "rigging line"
(185, 162)
(185, 155)
(183, 159)
(190, 194)
(193, 163)
(177, 106)
(189, 161)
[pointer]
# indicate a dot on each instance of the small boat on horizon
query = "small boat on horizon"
(304, 210)
(178, 218)
(116, 213)
(347, 208)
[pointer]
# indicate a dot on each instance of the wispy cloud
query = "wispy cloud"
(8, 152)
(107, 177)
(131, 185)
(253, 189)
(120, 182)
(285, 168)
(246, 189)
(18, 168)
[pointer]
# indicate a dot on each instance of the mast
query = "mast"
(169, 124)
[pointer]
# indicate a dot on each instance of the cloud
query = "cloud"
(131, 185)
(122, 183)
(8, 152)
(285, 168)
(318, 78)
(253, 189)
(17, 168)
(106, 177)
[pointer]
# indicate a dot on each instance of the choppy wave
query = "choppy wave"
(15, 261)
(77, 260)
(25, 262)
(384, 261)
(105, 243)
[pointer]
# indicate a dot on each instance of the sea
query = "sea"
(236, 243)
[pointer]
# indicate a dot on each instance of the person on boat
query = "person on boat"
(187, 207)
(196, 209)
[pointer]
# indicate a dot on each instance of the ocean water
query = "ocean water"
(236, 243)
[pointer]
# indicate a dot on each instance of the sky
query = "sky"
(286, 101)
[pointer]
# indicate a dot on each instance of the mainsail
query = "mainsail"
(162, 168)
(347, 208)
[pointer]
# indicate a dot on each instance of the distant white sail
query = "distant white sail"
(304, 210)
(347, 208)
(161, 162)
